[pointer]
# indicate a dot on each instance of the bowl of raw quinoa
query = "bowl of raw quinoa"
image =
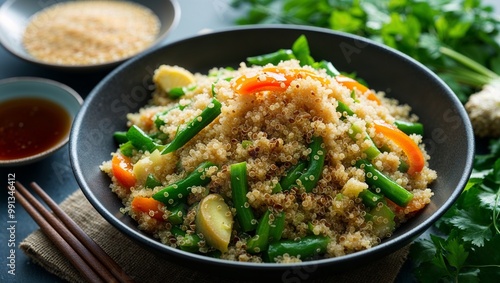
(272, 148)
(84, 35)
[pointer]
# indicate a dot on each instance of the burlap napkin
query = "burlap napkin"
(145, 266)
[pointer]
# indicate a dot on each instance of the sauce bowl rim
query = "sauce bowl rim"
(68, 91)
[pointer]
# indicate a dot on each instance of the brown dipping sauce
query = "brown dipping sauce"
(29, 126)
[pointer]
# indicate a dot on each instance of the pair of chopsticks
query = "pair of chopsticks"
(94, 264)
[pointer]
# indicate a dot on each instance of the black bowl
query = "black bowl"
(449, 138)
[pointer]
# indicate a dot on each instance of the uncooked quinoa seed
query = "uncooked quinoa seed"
(90, 32)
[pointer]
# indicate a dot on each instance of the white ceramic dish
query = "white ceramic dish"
(30, 87)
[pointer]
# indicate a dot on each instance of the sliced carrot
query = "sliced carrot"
(273, 79)
(123, 170)
(352, 84)
(415, 157)
(147, 119)
(261, 82)
(149, 206)
(278, 79)
(292, 74)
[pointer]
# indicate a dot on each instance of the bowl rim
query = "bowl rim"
(68, 91)
(4, 8)
(388, 246)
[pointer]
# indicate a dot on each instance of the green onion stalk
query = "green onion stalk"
(483, 107)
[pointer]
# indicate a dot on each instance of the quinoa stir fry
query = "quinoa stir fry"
(281, 160)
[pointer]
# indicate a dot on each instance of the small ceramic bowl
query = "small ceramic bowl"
(24, 92)
(15, 16)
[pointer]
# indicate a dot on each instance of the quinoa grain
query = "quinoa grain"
(90, 32)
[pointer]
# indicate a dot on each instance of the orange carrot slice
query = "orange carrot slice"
(415, 157)
(123, 170)
(272, 79)
(278, 79)
(352, 84)
(149, 206)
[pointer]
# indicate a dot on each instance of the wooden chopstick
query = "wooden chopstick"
(86, 271)
(90, 260)
(105, 259)
(61, 243)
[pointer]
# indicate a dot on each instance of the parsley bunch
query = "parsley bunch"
(416, 27)
(465, 243)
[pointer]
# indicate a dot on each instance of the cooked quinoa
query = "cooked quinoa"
(90, 32)
(271, 130)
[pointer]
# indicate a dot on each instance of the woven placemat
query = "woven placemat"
(148, 267)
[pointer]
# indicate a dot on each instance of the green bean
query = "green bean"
(177, 231)
(159, 137)
(277, 189)
(260, 241)
(186, 242)
(354, 131)
(152, 182)
(180, 190)
(388, 187)
(177, 213)
(195, 126)
(354, 97)
(382, 218)
(127, 149)
(246, 143)
(370, 199)
(141, 140)
(277, 227)
(271, 58)
(410, 127)
(269, 229)
(372, 151)
(178, 92)
(290, 179)
(306, 247)
(120, 137)
(403, 166)
(309, 179)
(239, 190)
(344, 110)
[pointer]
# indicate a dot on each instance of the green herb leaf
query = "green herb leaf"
(301, 51)
(473, 226)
